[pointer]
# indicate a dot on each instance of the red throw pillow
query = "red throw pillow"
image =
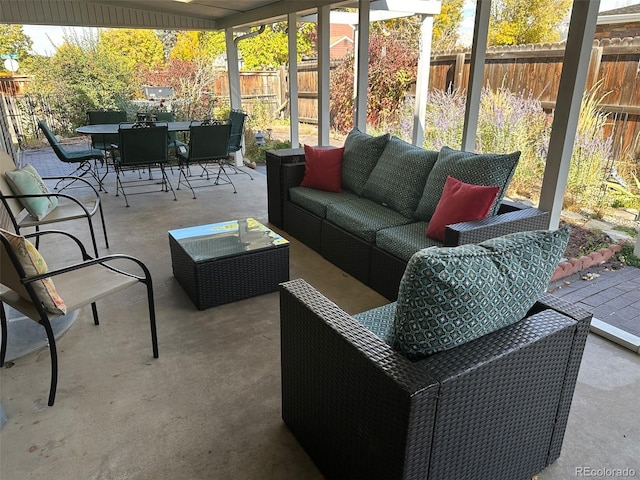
(460, 202)
(323, 168)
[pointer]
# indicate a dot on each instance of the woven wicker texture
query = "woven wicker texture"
(350, 253)
(490, 409)
(226, 280)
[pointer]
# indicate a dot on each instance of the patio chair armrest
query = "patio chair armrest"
(63, 195)
(146, 277)
(491, 227)
(75, 179)
(80, 245)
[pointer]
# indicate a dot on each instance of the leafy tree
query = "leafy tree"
(81, 76)
(446, 25)
(13, 40)
(187, 46)
(270, 48)
(517, 22)
(133, 47)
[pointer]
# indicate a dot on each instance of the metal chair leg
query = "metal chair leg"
(54, 360)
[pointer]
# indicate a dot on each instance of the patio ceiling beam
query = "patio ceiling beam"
(274, 11)
(575, 66)
(97, 14)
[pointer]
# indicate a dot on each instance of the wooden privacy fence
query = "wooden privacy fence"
(533, 70)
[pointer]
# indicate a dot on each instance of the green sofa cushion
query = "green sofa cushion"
(405, 240)
(363, 218)
(361, 153)
(397, 180)
(476, 169)
(316, 201)
(379, 321)
(452, 295)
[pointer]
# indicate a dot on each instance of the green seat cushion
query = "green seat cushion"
(405, 240)
(397, 180)
(452, 295)
(477, 169)
(363, 218)
(361, 153)
(379, 321)
(316, 201)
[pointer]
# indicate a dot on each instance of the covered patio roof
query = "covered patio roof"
(233, 17)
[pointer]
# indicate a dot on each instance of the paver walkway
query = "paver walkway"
(613, 296)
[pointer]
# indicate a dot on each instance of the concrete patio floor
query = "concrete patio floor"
(209, 406)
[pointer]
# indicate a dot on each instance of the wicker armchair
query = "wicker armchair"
(494, 408)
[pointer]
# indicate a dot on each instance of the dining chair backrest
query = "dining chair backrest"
(143, 145)
(168, 117)
(97, 117)
(61, 153)
(237, 119)
(209, 142)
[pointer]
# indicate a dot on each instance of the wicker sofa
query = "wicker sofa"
(493, 408)
(370, 229)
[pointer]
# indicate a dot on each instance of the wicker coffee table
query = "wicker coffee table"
(229, 261)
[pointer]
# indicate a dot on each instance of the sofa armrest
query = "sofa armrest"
(292, 175)
(491, 227)
(349, 399)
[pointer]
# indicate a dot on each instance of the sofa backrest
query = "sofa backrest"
(486, 169)
(398, 178)
(361, 153)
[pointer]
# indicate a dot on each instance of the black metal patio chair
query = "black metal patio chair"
(208, 144)
(141, 145)
(83, 158)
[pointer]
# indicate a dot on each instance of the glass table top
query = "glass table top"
(226, 239)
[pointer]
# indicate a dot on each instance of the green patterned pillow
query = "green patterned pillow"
(361, 153)
(452, 295)
(475, 168)
(398, 179)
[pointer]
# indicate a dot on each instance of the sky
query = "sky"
(45, 37)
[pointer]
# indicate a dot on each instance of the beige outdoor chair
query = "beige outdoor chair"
(68, 207)
(28, 286)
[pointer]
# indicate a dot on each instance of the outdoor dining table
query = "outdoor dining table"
(112, 128)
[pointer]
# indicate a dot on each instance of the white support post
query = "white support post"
(422, 80)
(575, 66)
(361, 64)
(233, 69)
(323, 74)
(294, 128)
(476, 75)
